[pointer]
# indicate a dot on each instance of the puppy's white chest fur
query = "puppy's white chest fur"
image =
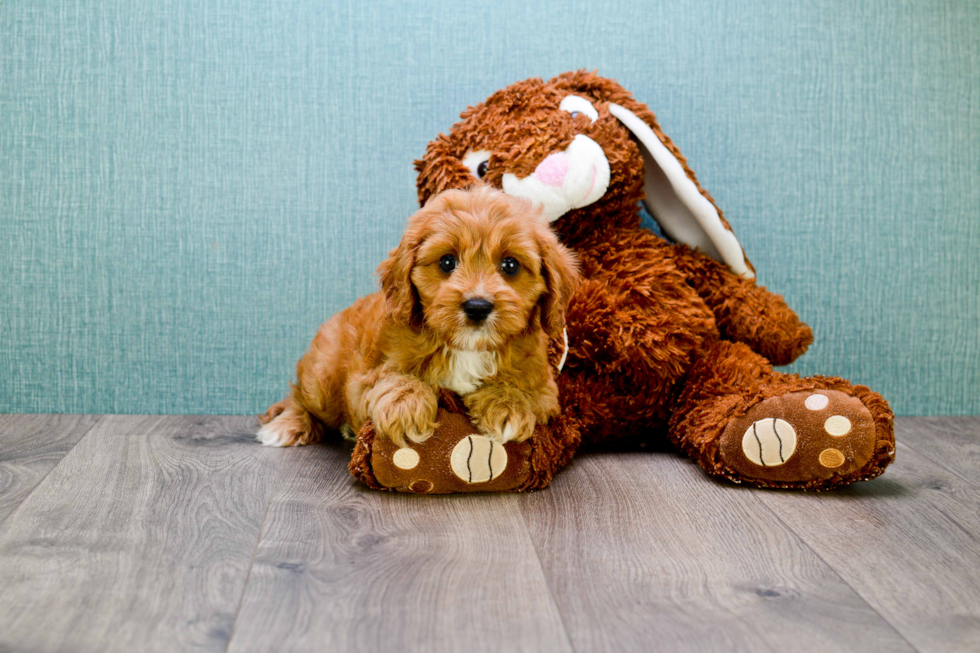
(468, 369)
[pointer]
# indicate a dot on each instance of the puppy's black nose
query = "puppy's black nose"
(477, 309)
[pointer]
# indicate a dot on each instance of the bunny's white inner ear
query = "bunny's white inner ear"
(677, 205)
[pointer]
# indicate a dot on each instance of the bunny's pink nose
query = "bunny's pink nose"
(553, 169)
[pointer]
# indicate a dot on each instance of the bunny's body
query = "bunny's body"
(666, 339)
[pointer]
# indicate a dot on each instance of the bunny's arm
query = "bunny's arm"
(634, 317)
(744, 311)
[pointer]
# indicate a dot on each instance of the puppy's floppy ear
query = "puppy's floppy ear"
(441, 169)
(559, 268)
(401, 297)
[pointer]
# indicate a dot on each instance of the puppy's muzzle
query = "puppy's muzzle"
(478, 308)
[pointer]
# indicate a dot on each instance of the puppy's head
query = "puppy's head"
(478, 267)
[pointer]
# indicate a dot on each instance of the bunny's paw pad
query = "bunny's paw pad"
(800, 437)
(455, 459)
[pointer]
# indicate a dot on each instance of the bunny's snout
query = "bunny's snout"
(553, 169)
(568, 179)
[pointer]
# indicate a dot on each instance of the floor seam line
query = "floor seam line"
(255, 551)
(98, 420)
(836, 573)
(972, 483)
(544, 577)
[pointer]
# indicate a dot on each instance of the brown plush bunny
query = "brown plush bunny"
(664, 339)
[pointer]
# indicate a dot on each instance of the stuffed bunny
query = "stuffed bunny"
(665, 338)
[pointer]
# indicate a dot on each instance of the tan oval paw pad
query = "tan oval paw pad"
(816, 401)
(405, 458)
(831, 458)
(837, 426)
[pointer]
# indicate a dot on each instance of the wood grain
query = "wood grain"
(148, 535)
(906, 542)
(30, 447)
(344, 568)
(643, 552)
(951, 442)
(139, 540)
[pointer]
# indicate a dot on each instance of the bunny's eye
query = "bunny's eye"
(477, 161)
(577, 106)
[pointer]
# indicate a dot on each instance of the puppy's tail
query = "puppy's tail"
(273, 412)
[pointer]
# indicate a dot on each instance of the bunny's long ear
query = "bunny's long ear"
(676, 202)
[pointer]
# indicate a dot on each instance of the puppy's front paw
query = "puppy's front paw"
(406, 412)
(504, 422)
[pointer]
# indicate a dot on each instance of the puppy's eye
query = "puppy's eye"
(481, 170)
(510, 266)
(447, 263)
(578, 106)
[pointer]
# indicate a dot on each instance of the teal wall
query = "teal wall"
(188, 188)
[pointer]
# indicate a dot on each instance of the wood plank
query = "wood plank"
(344, 568)
(952, 442)
(139, 540)
(30, 447)
(643, 552)
(907, 542)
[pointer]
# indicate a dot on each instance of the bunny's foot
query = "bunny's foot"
(741, 420)
(457, 458)
(801, 438)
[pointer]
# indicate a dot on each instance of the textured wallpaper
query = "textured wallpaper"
(188, 188)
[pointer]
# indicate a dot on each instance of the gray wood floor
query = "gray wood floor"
(127, 533)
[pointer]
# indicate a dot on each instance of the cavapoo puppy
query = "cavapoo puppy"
(469, 299)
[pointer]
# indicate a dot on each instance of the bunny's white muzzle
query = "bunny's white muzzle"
(570, 179)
